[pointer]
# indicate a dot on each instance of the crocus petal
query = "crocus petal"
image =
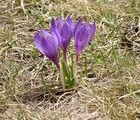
(81, 39)
(59, 23)
(70, 22)
(92, 31)
(66, 35)
(55, 31)
(50, 49)
(53, 26)
(49, 46)
(37, 41)
(77, 26)
(44, 33)
(56, 37)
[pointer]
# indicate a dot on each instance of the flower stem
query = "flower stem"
(62, 77)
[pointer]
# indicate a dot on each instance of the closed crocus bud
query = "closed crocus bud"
(83, 33)
(63, 30)
(48, 45)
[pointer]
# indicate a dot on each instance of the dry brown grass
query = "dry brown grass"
(108, 90)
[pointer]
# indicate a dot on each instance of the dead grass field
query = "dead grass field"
(109, 87)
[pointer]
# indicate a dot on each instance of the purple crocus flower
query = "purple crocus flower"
(83, 33)
(48, 45)
(64, 31)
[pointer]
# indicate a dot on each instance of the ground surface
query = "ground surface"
(109, 87)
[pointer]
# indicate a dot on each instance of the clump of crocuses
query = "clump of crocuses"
(60, 34)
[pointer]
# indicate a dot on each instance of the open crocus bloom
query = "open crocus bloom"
(83, 33)
(48, 45)
(64, 30)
